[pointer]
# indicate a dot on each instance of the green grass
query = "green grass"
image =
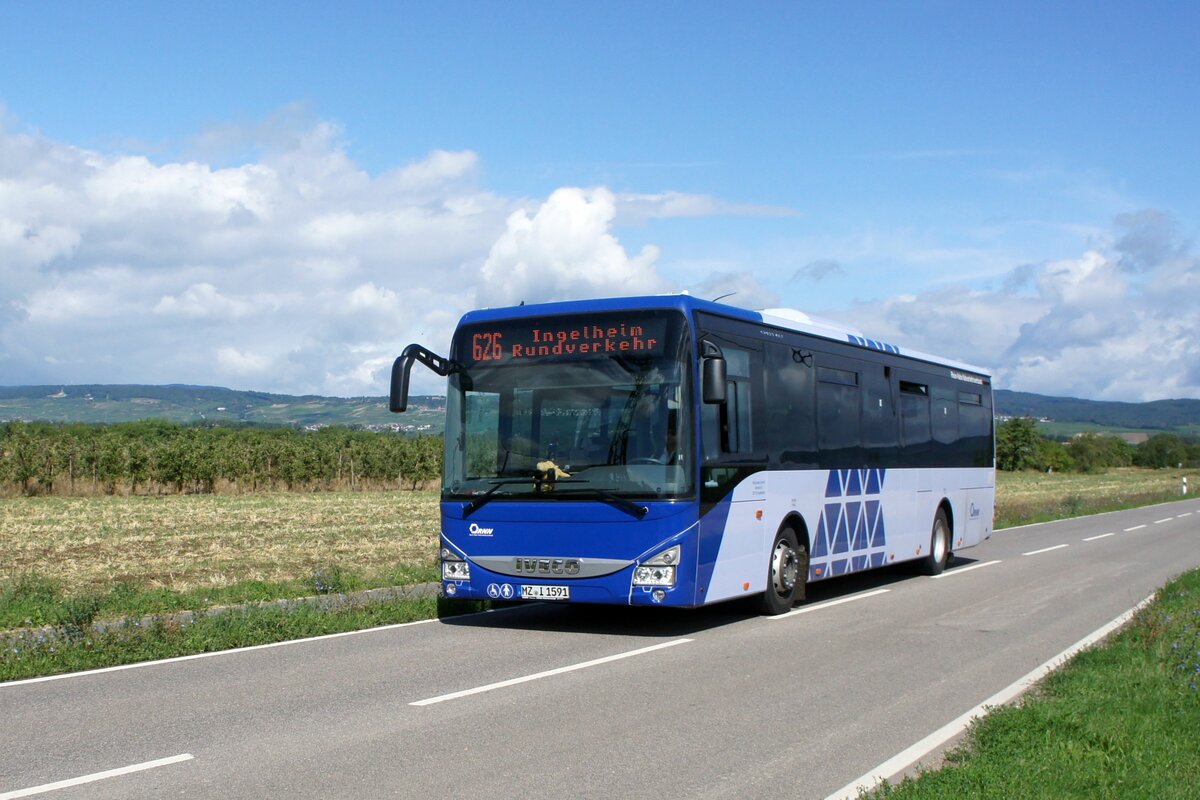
(34, 600)
(1119, 721)
(34, 654)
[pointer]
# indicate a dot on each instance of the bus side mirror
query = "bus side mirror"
(398, 396)
(713, 379)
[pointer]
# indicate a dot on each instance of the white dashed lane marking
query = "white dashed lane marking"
(1045, 550)
(95, 776)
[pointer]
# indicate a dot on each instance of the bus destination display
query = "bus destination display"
(562, 338)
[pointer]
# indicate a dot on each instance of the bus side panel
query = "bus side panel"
(860, 519)
(737, 523)
(971, 494)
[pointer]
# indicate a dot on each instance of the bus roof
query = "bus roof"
(782, 318)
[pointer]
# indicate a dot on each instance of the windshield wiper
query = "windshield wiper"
(485, 498)
(622, 503)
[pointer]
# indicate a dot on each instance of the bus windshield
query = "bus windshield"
(601, 403)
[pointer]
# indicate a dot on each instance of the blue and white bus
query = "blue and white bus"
(672, 451)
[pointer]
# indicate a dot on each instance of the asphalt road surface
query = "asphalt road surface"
(552, 701)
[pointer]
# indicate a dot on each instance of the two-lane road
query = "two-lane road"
(551, 701)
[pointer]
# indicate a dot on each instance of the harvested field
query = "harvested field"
(195, 541)
(1023, 497)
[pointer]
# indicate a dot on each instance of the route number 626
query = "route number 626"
(486, 347)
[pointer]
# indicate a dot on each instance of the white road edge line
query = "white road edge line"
(1101, 536)
(951, 729)
(1045, 550)
(961, 570)
(212, 654)
(96, 776)
(548, 673)
(1134, 528)
(819, 606)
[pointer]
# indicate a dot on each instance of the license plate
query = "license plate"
(546, 592)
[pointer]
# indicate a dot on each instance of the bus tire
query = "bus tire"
(787, 571)
(939, 546)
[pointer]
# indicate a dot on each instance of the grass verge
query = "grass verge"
(1121, 720)
(32, 654)
(31, 600)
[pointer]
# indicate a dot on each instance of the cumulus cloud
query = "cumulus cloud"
(297, 271)
(565, 250)
(268, 259)
(1089, 326)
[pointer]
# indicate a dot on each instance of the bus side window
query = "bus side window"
(914, 423)
(944, 419)
(975, 427)
(839, 410)
(791, 421)
(881, 427)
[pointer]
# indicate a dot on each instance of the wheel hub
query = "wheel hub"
(784, 568)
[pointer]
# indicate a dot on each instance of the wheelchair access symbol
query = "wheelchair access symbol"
(493, 591)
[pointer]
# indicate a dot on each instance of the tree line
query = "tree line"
(156, 457)
(1019, 446)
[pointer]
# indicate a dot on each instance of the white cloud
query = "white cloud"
(242, 363)
(297, 271)
(269, 260)
(566, 250)
(1089, 327)
(114, 268)
(202, 300)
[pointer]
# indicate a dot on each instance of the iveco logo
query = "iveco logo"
(478, 531)
(547, 566)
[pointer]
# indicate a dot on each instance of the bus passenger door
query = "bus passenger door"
(733, 478)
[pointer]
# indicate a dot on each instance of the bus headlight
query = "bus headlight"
(659, 570)
(453, 567)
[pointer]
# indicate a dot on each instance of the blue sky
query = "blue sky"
(257, 195)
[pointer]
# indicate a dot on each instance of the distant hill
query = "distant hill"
(1158, 415)
(198, 404)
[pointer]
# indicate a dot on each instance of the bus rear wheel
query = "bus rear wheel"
(939, 546)
(787, 571)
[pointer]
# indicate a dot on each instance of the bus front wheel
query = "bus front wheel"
(787, 571)
(939, 546)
